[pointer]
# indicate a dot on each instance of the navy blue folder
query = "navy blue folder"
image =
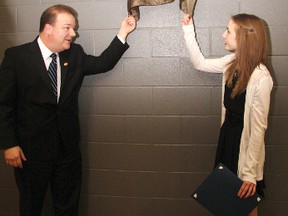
(218, 194)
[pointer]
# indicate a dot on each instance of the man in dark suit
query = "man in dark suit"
(39, 123)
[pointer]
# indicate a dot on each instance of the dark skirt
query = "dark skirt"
(229, 143)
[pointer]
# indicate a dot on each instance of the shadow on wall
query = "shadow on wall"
(7, 26)
(270, 51)
(9, 34)
(272, 71)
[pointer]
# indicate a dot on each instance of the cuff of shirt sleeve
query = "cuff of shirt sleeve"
(187, 27)
(121, 39)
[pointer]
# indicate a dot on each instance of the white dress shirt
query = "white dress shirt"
(47, 60)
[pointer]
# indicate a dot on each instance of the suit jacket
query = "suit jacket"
(187, 6)
(29, 113)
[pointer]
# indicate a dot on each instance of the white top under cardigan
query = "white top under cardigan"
(257, 103)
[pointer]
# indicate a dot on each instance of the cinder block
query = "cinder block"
(146, 129)
(193, 77)
(8, 23)
(99, 14)
(274, 12)
(279, 107)
(102, 128)
(195, 129)
(18, 2)
(279, 70)
(279, 41)
(278, 159)
(275, 134)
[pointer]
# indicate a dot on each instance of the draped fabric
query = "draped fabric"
(187, 6)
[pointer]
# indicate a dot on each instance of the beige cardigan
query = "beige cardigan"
(257, 103)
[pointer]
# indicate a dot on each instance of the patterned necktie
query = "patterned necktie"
(52, 72)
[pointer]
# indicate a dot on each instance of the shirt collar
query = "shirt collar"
(44, 50)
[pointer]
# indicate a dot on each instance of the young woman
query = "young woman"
(246, 89)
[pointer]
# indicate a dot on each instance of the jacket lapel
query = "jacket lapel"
(39, 64)
(64, 64)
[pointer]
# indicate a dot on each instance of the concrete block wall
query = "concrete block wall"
(150, 126)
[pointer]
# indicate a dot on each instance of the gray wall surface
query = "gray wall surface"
(150, 126)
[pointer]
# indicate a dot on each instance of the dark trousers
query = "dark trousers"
(64, 177)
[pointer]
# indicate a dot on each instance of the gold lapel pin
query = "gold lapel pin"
(65, 64)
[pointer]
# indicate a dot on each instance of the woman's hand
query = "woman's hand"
(187, 20)
(247, 189)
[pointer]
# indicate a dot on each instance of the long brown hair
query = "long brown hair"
(251, 50)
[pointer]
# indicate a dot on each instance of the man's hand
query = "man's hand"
(14, 157)
(128, 25)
